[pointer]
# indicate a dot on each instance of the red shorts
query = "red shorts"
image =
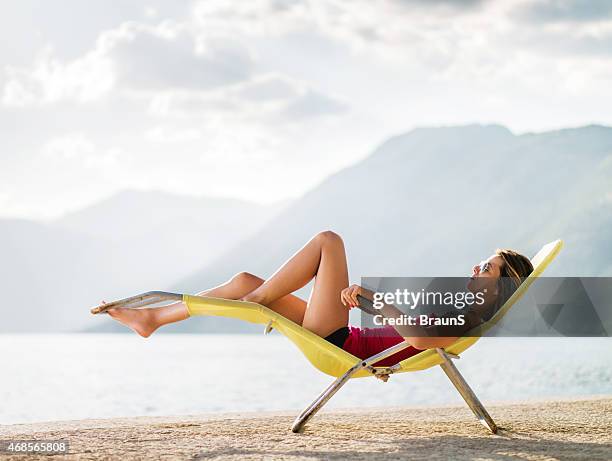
(366, 342)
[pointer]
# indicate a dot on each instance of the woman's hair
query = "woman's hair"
(515, 269)
(516, 266)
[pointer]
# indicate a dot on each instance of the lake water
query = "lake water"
(76, 376)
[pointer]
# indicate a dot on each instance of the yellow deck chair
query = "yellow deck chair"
(335, 361)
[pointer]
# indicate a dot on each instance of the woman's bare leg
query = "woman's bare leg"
(322, 258)
(146, 321)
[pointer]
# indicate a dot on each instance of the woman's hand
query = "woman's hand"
(348, 296)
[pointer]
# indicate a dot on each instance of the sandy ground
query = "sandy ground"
(576, 429)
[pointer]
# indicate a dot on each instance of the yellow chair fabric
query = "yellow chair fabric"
(335, 361)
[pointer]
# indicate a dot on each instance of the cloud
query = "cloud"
(215, 49)
(255, 17)
(563, 43)
(134, 57)
(71, 27)
(312, 104)
(191, 104)
(451, 4)
(74, 148)
(554, 11)
(171, 135)
(177, 69)
(268, 88)
(169, 56)
(265, 98)
(438, 36)
(357, 24)
(230, 91)
(85, 79)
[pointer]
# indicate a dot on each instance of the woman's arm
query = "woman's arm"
(413, 334)
(349, 295)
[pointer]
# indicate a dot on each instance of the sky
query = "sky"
(262, 100)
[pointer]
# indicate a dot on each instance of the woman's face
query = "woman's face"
(485, 275)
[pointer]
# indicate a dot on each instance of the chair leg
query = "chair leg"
(334, 387)
(466, 391)
(323, 398)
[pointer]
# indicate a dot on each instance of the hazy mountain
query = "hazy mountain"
(435, 201)
(167, 235)
(133, 241)
(47, 273)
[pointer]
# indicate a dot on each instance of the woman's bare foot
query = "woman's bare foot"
(142, 321)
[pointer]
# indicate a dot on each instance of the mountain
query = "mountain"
(133, 241)
(165, 234)
(436, 201)
(46, 273)
(433, 201)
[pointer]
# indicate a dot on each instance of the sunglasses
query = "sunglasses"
(485, 266)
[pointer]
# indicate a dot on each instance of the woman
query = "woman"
(326, 313)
